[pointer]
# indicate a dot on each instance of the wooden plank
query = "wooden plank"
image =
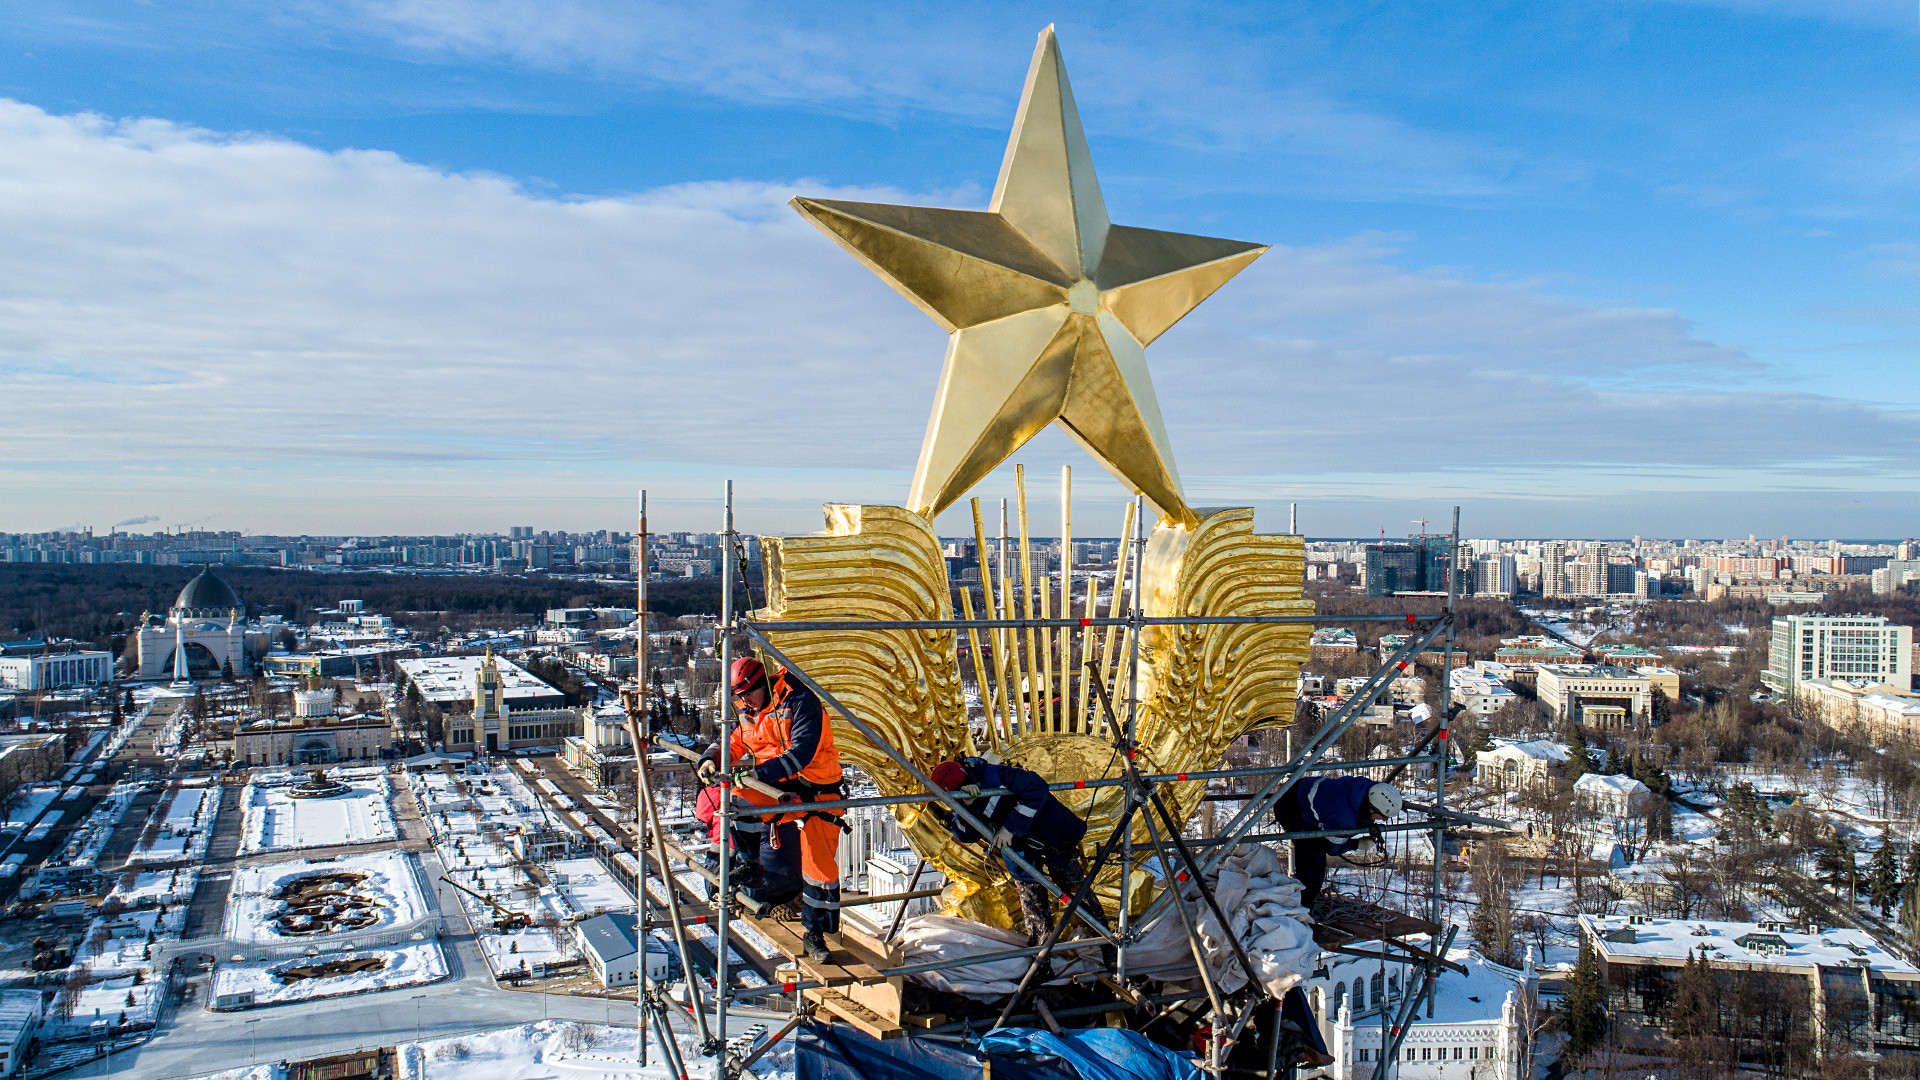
(883, 999)
(867, 949)
(854, 1013)
(788, 942)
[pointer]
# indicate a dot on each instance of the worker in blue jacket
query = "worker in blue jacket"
(1332, 802)
(1028, 819)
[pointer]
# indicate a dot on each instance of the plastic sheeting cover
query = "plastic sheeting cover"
(1092, 1053)
(1263, 904)
(825, 1052)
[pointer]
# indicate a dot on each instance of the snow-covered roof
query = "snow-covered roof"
(1553, 753)
(1475, 997)
(1618, 785)
(1898, 703)
(1773, 945)
(613, 936)
(450, 678)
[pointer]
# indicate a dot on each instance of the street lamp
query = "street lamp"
(416, 1018)
(253, 1042)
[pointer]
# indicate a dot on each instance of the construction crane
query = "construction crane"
(504, 918)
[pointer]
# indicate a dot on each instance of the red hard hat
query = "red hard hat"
(747, 673)
(949, 775)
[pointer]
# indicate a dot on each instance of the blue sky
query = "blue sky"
(1583, 268)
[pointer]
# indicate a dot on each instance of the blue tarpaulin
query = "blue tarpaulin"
(824, 1052)
(1092, 1053)
(837, 1052)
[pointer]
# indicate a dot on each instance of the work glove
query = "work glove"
(1363, 849)
(1003, 838)
(706, 771)
(968, 791)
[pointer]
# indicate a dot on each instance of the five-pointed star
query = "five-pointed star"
(1049, 305)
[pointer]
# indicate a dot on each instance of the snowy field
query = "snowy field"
(181, 826)
(153, 887)
(547, 1050)
(276, 822)
(561, 1050)
(585, 888)
(514, 949)
(390, 883)
(408, 965)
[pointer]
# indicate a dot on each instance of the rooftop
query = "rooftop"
(450, 678)
(1776, 945)
(613, 936)
(1538, 749)
(18, 1009)
(1592, 671)
(1625, 785)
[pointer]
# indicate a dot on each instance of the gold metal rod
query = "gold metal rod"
(1010, 641)
(1109, 663)
(1066, 593)
(1086, 654)
(1026, 596)
(993, 695)
(979, 668)
(1047, 720)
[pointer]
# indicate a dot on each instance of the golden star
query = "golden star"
(1050, 306)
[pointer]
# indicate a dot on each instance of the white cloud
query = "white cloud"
(260, 334)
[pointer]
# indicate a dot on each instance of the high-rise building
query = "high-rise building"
(1853, 647)
(1392, 568)
(1553, 569)
(1436, 563)
(1495, 576)
(1592, 570)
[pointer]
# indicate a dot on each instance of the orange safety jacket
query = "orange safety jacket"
(789, 738)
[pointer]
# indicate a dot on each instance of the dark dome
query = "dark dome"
(207, 595)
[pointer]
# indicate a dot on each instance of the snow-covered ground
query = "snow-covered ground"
(32, 802)
(547, 1050)
(562, 1050)
(406, 965)
(153, 887)
(390, 883)
(585, 888)
(181, 826)
(114, 978)
(277, 822)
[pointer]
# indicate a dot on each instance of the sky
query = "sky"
(1578, 268)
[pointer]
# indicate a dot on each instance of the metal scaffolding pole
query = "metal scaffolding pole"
(724, 902)
(1134, 613)
(1443, 748)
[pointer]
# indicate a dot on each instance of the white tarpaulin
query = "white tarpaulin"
(944, 937)
(1263, 905)
(1251, 885)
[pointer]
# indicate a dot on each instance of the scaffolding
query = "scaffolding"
(864, 991)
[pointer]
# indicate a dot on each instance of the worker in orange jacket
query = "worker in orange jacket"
(783, 740)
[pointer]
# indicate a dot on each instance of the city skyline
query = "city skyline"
(399, 269)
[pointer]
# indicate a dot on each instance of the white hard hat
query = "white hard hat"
(1385, 800)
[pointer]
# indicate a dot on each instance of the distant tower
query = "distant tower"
(180, 671)
(489, 695)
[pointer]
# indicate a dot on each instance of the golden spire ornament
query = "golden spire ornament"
(1049, 306)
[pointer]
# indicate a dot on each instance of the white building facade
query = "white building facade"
(1852, 647)
(1464, 1039)
(55, 671)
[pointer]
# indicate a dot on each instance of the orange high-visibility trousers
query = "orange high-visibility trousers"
(820, 871)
